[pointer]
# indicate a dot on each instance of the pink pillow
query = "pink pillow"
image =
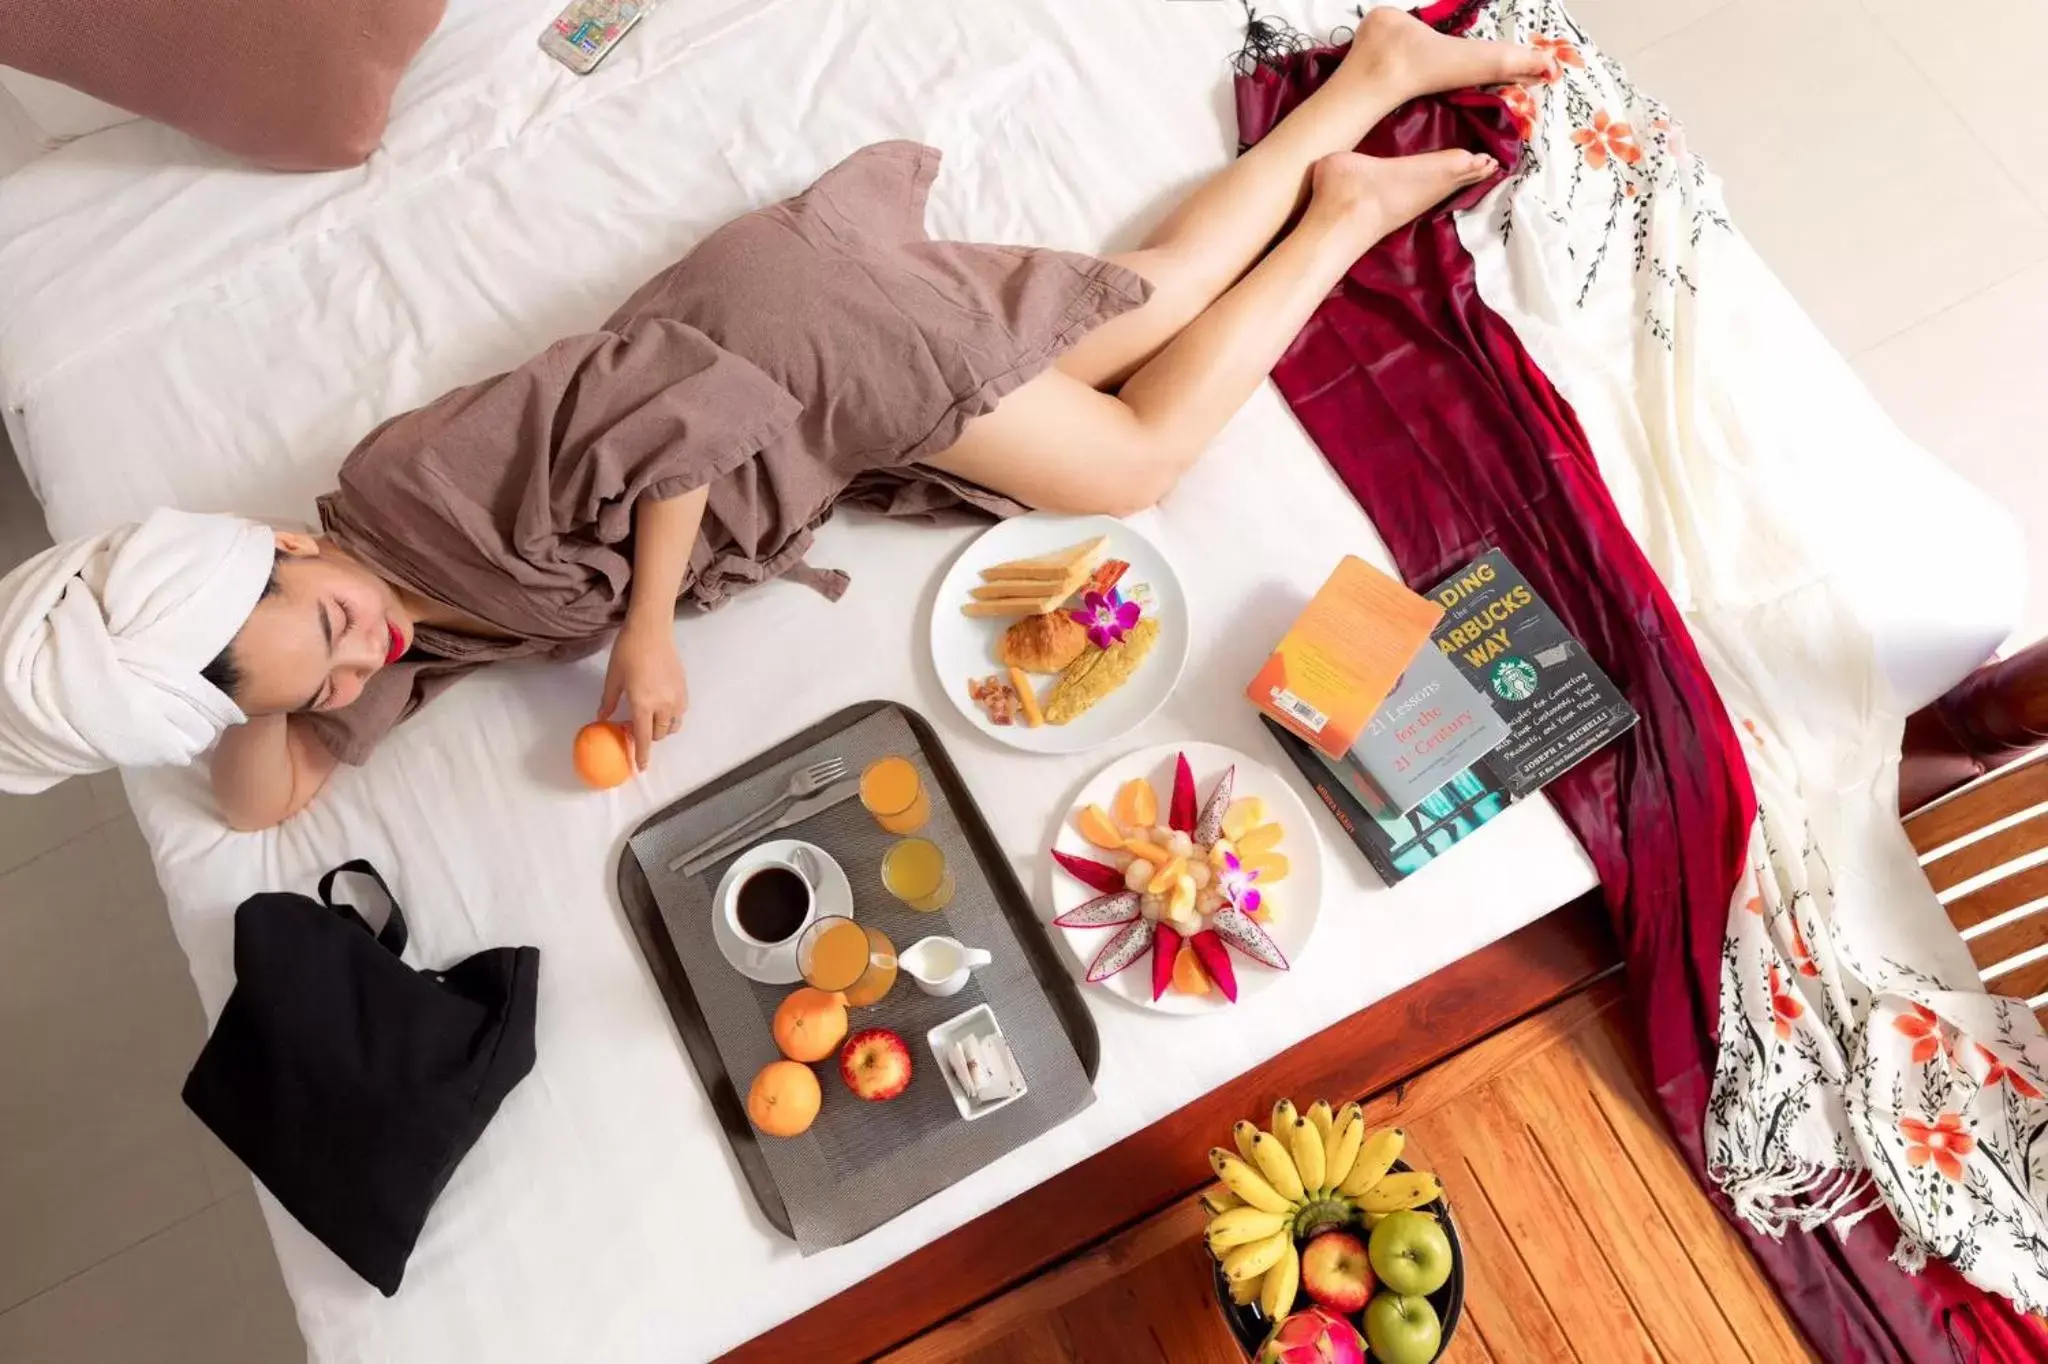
(291, 84)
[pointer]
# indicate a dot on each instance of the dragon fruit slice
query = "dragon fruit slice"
(1209, 827)
(1090, 873)
(1126, 947)
(1236, 927)
(1181, 809)
(1104, 911)
(1165, 947)
(1215, 960)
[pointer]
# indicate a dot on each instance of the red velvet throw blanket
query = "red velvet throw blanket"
(1429, 408)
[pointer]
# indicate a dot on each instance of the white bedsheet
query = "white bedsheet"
(176, 329)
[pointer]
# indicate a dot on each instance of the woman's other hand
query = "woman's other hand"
(646, 673)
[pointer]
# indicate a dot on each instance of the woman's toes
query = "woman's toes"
(1397, 46)
(1477, 167)
(1376, 194)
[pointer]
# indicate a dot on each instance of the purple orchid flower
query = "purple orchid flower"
(1108, 617)
(1236, 884)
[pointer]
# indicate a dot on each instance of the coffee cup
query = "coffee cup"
(775, 901)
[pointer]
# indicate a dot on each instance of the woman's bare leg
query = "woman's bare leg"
(1060, 444)
(1211, 239)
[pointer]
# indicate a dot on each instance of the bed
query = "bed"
(176, 329)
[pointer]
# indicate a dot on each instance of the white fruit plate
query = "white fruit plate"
(1297, 899)
(963, 647)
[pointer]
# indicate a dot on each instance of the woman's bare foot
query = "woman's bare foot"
(1358, 199)
(1414, 59)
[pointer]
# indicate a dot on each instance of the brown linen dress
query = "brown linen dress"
(806, 355)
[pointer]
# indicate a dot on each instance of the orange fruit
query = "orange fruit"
(604, 754)
(810, 1024)
(1188, 976)
(1150, 851)
(783, 1100)
(1162, 880)
(1137, 804)
(1270, 866)
(1264, 838)
(1098, 828)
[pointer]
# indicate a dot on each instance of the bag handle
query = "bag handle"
(392, 938)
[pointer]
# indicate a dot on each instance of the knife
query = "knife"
(836, 794)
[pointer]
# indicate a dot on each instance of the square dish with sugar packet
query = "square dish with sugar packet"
(976, 1061)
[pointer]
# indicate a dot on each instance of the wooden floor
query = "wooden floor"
(1585, 1237)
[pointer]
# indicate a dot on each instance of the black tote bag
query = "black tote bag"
(351, 1084)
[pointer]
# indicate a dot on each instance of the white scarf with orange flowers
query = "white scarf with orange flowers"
(1860, 1057)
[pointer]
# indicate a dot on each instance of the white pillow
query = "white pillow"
(59, 111)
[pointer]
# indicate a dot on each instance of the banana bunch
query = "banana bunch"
(1306, 1173)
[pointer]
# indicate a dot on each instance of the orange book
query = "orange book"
(1343, 656)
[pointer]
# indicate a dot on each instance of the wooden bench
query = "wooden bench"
(1985, 851)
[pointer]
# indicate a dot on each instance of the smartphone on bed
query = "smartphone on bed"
(583, 34)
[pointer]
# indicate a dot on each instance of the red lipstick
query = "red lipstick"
(396, 649)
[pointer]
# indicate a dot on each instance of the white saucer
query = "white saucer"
(776, 965)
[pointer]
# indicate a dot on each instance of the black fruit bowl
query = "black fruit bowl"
(1251, 1326)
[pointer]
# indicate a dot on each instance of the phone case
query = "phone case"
(587, 30)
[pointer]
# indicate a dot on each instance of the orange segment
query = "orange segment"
(1150, 851)
(1168, 874)
(1270, 866)
(1098, 828)
(1188, 976)
(1137, 805)
(1264, 838)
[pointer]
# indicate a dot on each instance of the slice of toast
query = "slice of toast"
(1011, 588)
(1019, 606)
(1053, 567)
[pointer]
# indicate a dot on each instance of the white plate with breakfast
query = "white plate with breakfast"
(1186, 877)
(1056, 634)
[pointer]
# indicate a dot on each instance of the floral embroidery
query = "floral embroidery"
(1560, 52)
(1802, 955)
(1925, 1029)
(1587, 131)
(1607, 137)
(1521, 108)
(1108, 617)
(2001, 1072)
(1944, 1142)
(1785, 1006)
(1816, 1116)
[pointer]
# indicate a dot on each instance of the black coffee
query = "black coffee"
(772, 903)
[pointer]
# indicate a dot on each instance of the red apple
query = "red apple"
(1337, 1272)
(876, 1065)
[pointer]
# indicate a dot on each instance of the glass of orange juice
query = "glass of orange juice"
(892, 792)
(835, 953)
(916, 873)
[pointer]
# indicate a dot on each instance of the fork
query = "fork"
(804, 782)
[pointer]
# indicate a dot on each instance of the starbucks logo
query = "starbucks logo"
(1514, 679)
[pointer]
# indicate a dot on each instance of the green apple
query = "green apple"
(1410, 1253)
(1402, 1329)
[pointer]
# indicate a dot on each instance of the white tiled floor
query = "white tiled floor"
(1879, 158)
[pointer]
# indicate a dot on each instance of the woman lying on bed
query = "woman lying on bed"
(815, 353)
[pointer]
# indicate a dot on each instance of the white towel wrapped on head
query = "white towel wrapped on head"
(102, 641)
